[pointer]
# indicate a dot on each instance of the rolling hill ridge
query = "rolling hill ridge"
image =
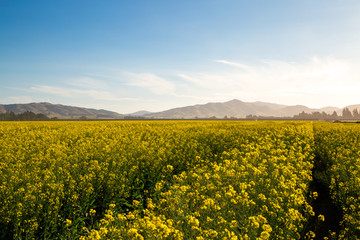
(234, 108)
(60, 111)
(238, 109)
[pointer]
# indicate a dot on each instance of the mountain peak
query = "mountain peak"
(234, 101)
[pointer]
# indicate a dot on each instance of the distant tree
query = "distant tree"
(356, 113)
(303, 115)
(346, 113)
(12, 116)
(324, 115)
(25, 116)
(316, 115)
(42, 117)
(313, 116)
(334, 115)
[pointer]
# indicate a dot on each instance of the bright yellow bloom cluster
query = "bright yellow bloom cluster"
(53, 171)
(340, 148)
(254, 188)
(134, 225)
(172, 179)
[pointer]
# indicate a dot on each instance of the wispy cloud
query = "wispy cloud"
(278, 80)
(77, 93)
(17, 99)
(234, 64)
(151, 82)
(87, 83)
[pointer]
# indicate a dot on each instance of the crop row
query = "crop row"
(339, 149)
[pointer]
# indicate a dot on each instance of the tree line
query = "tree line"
(25, 116)
(346, 114)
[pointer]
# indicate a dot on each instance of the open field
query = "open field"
(178, 180)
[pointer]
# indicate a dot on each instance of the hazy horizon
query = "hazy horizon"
(127, 56)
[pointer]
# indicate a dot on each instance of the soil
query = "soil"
(323, 204)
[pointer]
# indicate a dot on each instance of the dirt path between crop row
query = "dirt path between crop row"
(323, 205)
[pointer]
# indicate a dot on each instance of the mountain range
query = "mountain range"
(233, 108)
(60, 111)
(240, 109)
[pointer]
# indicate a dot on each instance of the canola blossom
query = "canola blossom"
(171, 179)
(339, 146)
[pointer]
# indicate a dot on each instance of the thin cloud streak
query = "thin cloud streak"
(150, 82)
(17, 99)
(77, 93)
(234, 64)
(88, 83)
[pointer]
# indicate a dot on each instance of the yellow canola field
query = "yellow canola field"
(155, 180)
(339, 147)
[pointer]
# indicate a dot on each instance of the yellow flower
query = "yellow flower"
(92, 212)
(321, 217)
(264, 235)
(193, 221)
(267, 227)
(170, 168)
(68, 222)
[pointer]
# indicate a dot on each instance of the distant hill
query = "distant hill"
(139, 113)
(60, 111)
(238, 109)
(330, 109)
(234, 108)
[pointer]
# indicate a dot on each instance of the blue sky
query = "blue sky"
(127, 55)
